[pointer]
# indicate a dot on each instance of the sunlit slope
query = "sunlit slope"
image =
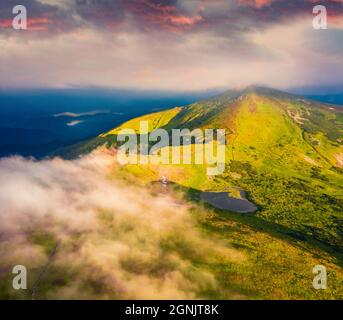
(285, 151)
(155, 120)
(265, 127)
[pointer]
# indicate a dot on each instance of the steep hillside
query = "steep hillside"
(284, 151)
(258, 119)
(283, 179)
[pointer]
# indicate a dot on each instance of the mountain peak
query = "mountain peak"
(257, 90)
(261, 90)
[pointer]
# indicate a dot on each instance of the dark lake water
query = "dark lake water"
(222, 200)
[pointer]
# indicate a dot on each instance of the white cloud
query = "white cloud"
(121, 239)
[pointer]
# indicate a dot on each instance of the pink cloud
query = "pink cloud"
(256, 3)
(33, 24)
(6, 23)
(182, 20)
(165, 16)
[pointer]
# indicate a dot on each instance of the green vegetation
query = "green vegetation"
(155, 120)
(269, 154)
(286, 153)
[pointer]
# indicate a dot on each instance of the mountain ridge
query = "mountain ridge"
(285, 151)
(223, 111)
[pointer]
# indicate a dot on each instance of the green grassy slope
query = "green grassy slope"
(283, 150)
(286, 153)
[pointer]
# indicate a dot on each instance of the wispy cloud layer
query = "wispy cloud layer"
(114, 241)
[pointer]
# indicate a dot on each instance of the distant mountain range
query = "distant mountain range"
(37, 122)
